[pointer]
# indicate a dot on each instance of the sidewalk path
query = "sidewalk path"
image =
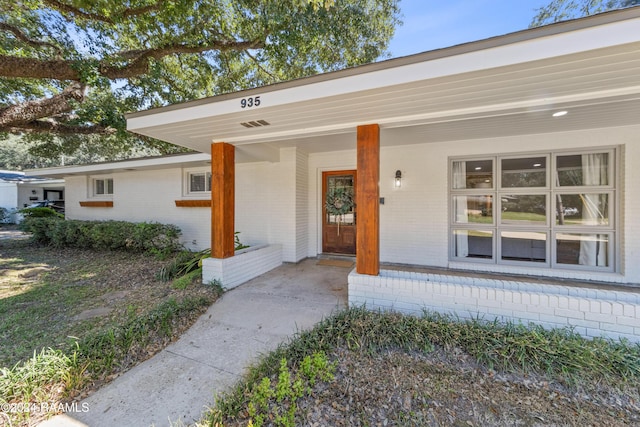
(180, 382)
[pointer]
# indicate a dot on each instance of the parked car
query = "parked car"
(47, 204)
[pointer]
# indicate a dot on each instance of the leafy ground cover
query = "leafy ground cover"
(388, 369)
(72, 319)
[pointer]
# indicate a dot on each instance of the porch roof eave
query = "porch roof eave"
(146, 163)
(508, 83)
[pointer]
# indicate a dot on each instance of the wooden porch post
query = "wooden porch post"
(367, 201)
(222, 200)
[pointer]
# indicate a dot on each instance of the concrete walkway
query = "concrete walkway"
(12, 234)
(180, 382)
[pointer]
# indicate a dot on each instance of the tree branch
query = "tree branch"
(24, 38)
(57, 128)
(267, 72)
(18, 67)
(128, 12)
(34, 68)
(26, 112)
(140, 65)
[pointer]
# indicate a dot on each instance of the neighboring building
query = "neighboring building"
(514, 156)
(18, 191)
(168, 189)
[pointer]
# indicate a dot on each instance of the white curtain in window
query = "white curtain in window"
(460, 181)
(594, 172)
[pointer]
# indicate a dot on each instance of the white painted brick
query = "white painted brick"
(551, 319)
(617, 309)
(585, 305)
(605, 307)
(515, 307)
(598, 317)
(571, 314)
(609, 327)
(506, 314)
(467, 301)
(628, 321)
(563, 302)
(629, 310)
(541, 309)
(574, 304)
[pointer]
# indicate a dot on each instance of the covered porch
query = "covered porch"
(491, 101)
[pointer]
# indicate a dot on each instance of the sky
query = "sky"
(435, 24)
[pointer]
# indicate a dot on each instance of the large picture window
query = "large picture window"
(547, 209)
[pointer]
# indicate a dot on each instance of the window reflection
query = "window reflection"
(524, 172)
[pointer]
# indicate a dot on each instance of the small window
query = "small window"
(103, 187)
(199, 182)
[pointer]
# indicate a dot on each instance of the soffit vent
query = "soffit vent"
(255, 124)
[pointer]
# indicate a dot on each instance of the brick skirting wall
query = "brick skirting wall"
(591, 312)
(243, 266)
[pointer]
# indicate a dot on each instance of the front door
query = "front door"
(339, 212)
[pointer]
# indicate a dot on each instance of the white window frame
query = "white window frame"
(187, 191)
(550, 227)
(93, 186)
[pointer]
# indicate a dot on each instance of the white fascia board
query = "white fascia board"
(607, 35)
(124, 164)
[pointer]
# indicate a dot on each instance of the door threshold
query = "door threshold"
(329, 255)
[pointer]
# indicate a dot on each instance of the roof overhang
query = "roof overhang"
(147, 163)
(503, 86)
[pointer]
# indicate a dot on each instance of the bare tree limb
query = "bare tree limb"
(24, 38)
(26, 112)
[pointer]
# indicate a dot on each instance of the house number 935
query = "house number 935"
(250, 102)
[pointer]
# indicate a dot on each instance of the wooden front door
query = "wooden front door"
(339, 212)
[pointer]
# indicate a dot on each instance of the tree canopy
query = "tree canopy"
(70, 69)
(562, 10)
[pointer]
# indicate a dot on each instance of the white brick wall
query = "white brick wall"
(242, 267)
(302, 205)
(591, 312)
(144, 196)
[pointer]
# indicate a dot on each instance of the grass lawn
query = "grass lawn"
(91, 314)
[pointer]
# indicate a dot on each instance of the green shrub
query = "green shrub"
(103, 235)
(40, 212)
(187, 261)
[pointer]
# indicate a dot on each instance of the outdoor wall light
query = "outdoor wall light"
(398, 181)
(33, 191)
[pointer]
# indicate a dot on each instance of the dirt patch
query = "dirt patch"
(94, 312)
(449, 389)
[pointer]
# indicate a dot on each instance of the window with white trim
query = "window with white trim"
(102, 186)
(198, 182)
(553, 209)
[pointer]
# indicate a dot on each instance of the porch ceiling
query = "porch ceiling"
(500, 87)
